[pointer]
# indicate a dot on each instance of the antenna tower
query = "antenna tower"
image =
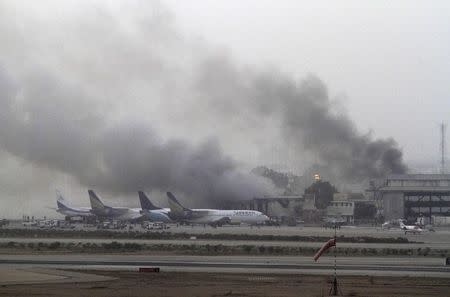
(443, 128)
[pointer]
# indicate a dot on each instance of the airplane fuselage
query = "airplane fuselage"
(415, 229)
(118, 213)
(75, 211)
(221, 216)
(412, 229)
(157, 215)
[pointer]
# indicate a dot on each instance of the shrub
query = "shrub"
(112, 246)
(132, 246)
(54, 245)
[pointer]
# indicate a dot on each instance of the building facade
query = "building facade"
(411, 196)
(341, 208)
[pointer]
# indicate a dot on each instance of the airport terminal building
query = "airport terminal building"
(409, 196)
(412, 196)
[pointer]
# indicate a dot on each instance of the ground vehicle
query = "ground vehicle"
(156, 226)
(111, 225)
(4, 222)
(30, 224)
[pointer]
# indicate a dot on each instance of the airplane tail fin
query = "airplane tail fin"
(59, 196)
(60, 201)
(96, 203)
(145, 202)
(174, 205)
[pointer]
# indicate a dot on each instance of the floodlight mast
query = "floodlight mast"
(443, 144)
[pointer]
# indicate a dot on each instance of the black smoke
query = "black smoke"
(307, 119)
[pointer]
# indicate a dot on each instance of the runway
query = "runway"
(386, 266)
(374, 265)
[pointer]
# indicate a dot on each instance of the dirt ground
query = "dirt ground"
(168, 284)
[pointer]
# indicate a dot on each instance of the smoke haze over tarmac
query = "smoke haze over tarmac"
(96, 92)
(70, 137)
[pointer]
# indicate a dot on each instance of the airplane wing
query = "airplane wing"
(127, 214)
(135, 216)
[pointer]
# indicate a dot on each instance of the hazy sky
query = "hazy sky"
(387, 61)
(78, 76)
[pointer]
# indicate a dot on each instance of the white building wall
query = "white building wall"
(393, 206)
(343, 209)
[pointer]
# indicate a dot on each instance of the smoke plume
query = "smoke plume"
(46, 127)
(307, 119)
(95, 95)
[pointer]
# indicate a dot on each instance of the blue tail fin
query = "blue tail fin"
(61, 205)
(145, 202)
(96, 203)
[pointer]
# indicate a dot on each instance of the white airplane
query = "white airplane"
(213, 217)
(152, 212)
(69, 211)
(390, 224)
(109, 212)
(414, 229)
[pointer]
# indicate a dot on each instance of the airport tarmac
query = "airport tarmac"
(13, 275)
(441, 235)
(440, 239)
(380, 266)
(418, 275)
(200, 284)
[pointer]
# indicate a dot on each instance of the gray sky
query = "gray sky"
(387, 61)
(94, 88)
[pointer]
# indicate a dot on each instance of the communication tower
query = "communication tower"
(443, 146)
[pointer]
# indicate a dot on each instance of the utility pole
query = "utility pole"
(335, 290)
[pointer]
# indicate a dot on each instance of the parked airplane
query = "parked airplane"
(69, 211)
(109, 212)
(390, 224)
(214, 217)
(414, 229)
(152, 212)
